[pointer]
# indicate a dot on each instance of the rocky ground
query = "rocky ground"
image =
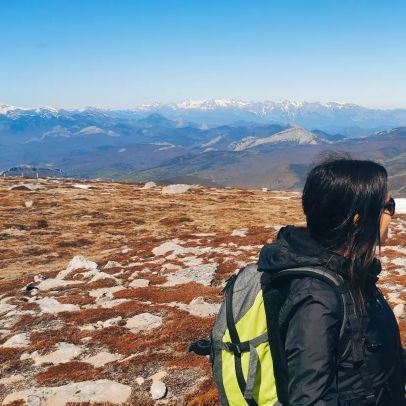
(102, 285)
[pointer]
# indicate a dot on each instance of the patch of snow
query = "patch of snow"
(90, 130)
(213, 141)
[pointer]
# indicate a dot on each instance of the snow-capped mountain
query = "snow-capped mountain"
(331, 116)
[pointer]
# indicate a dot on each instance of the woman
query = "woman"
(348, 212)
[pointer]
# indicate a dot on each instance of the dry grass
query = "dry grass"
(181, 293)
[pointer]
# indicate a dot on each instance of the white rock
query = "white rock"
(143, 322)
(158, 376)
(15, 232)
(102, 358)
(398, 310)
(264, 189)
(175, 189)
(140, 380)
(198, 307)
(65, 352)
(28, 186)
(158, 390)
(149, 185)
(239, 233)
(134, 275)
(50, 305)
(400, 205)
(112, 264)
(19, 340)
(5, 308)
(39, 278)
(11, 379)
(77, 262)
(97, 275)
(33, 400)
(4, 332)
(28, 204)
(105, 292)
(167, 247)
(109, 323)
(109, 304)
(87, 327)
(80, 186)
(399, 261)
(100, 391)
(203, 274)
(139, 283)
(8, 320)
(49, 284)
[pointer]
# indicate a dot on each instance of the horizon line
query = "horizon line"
(196, 101)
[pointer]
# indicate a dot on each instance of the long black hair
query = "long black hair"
(343, 200)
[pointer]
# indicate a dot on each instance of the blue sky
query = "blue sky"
(121, 53)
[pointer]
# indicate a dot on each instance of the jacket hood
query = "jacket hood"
(295, 248)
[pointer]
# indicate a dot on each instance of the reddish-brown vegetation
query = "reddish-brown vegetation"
(69, 372)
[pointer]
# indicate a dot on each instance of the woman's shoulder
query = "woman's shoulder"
(309, 292)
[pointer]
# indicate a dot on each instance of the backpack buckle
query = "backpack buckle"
(238, 348)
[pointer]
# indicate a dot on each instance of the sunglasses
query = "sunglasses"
(389, 207)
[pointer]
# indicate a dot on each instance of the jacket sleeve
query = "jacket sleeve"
(311, 343)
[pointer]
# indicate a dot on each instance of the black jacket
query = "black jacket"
(320, 371)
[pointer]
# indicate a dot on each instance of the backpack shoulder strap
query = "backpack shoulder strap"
(335, 280)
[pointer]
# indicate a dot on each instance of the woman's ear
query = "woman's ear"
(355, 219)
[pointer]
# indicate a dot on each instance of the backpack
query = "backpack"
(246, 351)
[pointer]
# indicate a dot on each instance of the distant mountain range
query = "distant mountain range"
(331, 117)
(222, 142)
